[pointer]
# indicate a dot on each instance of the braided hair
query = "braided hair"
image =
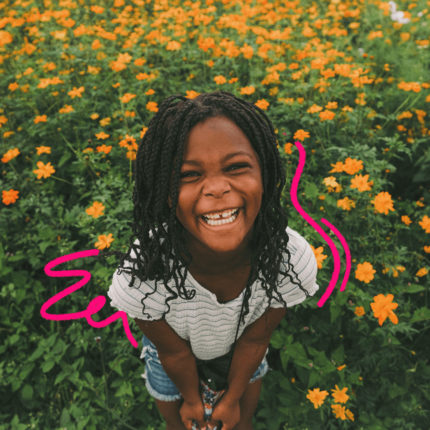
(160, 252)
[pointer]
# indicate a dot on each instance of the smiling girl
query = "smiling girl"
(212, 265)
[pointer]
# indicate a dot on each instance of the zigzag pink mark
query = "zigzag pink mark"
(93, 307)
(320, 231)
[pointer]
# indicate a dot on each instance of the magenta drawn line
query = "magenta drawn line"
(93, 307)
(312, 222)
(346, 249)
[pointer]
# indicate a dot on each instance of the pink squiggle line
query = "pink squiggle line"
(312, 222)
(93, 307)
(346, 249)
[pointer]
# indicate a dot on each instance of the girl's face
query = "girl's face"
(220, 190)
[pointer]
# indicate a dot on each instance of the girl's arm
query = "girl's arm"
(248, 354)
(180, 365)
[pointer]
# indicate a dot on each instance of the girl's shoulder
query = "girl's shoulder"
(296, 242)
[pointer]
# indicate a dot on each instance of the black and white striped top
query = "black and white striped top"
(208, 325)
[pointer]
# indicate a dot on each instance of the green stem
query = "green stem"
(401, 106)
(60, 179)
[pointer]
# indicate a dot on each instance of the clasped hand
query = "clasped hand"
(225, 411)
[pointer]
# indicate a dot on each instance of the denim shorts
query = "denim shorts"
(160, 386)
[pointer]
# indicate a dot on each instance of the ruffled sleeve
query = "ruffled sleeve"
(305, 265)
(130, 297)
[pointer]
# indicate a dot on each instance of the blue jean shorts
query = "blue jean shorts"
(160, 386)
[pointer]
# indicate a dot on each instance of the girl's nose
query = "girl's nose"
(216, 187)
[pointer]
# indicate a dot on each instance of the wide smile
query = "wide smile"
(221, 222)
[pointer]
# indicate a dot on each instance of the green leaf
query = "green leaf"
(421, 314)
(65, 418)
(27, 393)
(37, 353)
(413, 288)
(47, 366)
(338, 355)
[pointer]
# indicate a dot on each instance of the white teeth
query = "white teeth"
(222, 221)
(224, 215)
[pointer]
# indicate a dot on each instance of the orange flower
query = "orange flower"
(95, 210)
(128, 142)
(406, 220)
(76, 92)
(173, 45)
(13, 86)
(131, 155)
(301, 135)
(340, 368)
(314, 109)
(383, 202)
(331, 184)
(317, 397)
(10, 155)
(5, 37)
(365, 272)
(262, 104)
(383, 307)
(105, 121)
(288, 148)
(326, 115)
(361, 183)
(10, 196)
(152, 106)
(104, 241)
(192, 94)
(102, 135)
(340, 395)
(337, 168)
(425, 223)
(44, 170)
(220, 79)
(346, 204)
(359, 311)
(422, 272)
(97, 9)
(127, 97)
(40, 118)
(43, 150)
(349, 415)
(339, 411)
(66, 109)
(320, 257)
(427, 249)
(247, 90)
(352, 166)
(104, 148)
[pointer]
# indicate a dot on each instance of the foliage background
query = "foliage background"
(347, 78)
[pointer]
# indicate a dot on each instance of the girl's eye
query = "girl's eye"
(188, 174)
(238, 166)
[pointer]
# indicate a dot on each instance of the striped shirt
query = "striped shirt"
(208, 325)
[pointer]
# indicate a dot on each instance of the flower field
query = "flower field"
(79, 82)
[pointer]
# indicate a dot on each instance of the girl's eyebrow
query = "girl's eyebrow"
(227, 157)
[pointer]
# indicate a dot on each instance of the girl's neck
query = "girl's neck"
(212, 264)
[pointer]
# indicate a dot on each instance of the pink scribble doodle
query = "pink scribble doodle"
(98, 302)
(95, 304)
(321, 232)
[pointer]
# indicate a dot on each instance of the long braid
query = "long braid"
(160, 249)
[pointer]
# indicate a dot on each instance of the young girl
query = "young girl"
(212, 265)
